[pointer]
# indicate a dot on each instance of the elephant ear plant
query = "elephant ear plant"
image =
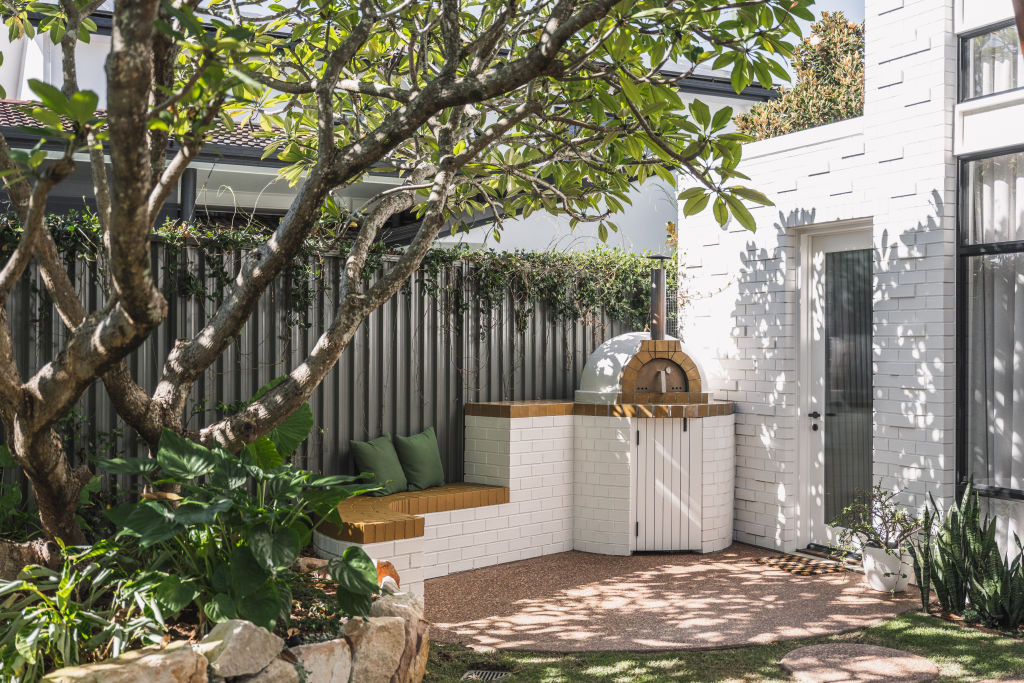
(225, 539)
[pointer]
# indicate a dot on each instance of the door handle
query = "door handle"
(814, 415)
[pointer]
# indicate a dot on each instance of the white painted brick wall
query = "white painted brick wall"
(719, 481)
(894, 164)
(603, 504)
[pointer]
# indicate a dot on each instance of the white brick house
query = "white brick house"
(774, 313)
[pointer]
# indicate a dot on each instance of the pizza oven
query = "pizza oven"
(647, 392)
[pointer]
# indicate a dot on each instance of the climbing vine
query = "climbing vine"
(571, 285)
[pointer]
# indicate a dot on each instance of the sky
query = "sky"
(853, 9)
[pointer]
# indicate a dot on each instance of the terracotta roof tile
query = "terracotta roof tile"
(241, 136)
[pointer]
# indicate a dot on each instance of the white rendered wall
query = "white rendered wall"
(894, 167)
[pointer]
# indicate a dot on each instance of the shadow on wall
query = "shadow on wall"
(911, 336)
(912, 446)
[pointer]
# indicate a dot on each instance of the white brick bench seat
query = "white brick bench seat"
(566, 470)
(531, 459)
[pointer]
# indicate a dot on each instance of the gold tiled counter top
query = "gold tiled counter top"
(702, 406)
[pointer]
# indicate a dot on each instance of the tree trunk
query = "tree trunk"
(14, 556)
(55, 484)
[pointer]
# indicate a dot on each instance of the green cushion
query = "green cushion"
(378, 456)
(421, 460)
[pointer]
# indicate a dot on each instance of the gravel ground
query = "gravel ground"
(577, 602)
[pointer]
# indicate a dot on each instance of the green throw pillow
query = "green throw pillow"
(421, 460)
(378, 456)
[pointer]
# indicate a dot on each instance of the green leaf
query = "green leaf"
(174, 595)
(6, 459)
(355, 575)
(246, 573)
(630, 89)
(192, 512)
(261, 607)
(94, 485)
(701, 113)
(720, 211)
(50, 96)
(150, 521)
(274, 549)
(751, 195)
(26, 639)
(265, 454)
(229, 473)
(294, 430)
(181, 458)
(741, 213)
(691, 192)
(220, 608)
(739, 78)
(696, 204)
(721, 118)
(128, 466)
(83, 105)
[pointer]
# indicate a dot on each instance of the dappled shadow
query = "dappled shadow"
(582, 602)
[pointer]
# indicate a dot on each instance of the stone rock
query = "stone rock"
(314, 566)
(177, 663)
(408, 606)
(327, 662)
(855, 662)
(405, 605)
(418, 668)
(388, 585)
(278, 671)
(239, 648)
(377, 646)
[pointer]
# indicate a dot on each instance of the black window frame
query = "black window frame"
(961, 60)
(963, 252)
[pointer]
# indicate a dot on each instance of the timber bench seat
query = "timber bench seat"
(375, 519)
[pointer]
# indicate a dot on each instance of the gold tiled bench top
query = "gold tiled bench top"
(699, 406)
(370, 519)
(541, 408)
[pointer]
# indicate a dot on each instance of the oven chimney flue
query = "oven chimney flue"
(658, 293)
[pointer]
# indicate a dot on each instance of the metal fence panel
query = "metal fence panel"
(413, 364)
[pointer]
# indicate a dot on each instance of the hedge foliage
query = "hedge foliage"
(829, 83)
(572, 285)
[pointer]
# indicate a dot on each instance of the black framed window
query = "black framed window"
(990, 62)
(990, 320)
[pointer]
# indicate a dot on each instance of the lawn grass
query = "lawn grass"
(961, 653)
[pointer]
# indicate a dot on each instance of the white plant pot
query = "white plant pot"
(885, 572)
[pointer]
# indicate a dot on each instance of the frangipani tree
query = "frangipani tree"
(496, 106)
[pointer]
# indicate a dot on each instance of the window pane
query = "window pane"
(995, 370)
(992, 63)
(848, 377)
(995, 192)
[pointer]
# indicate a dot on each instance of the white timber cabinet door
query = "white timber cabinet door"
(667, 484)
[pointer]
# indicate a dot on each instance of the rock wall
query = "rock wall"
(390, 646)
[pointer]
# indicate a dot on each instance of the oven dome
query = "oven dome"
(603, 375)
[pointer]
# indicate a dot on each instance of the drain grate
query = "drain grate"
(480, 675)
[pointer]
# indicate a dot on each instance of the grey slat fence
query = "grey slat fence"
(414, 363)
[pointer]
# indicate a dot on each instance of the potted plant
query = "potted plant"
(882, 530)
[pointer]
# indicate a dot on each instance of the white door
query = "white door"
(836, 419)
(666, 484)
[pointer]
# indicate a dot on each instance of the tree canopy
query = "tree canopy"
(476, 106)
(829, 84)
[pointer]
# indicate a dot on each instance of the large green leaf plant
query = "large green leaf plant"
(220, 531)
